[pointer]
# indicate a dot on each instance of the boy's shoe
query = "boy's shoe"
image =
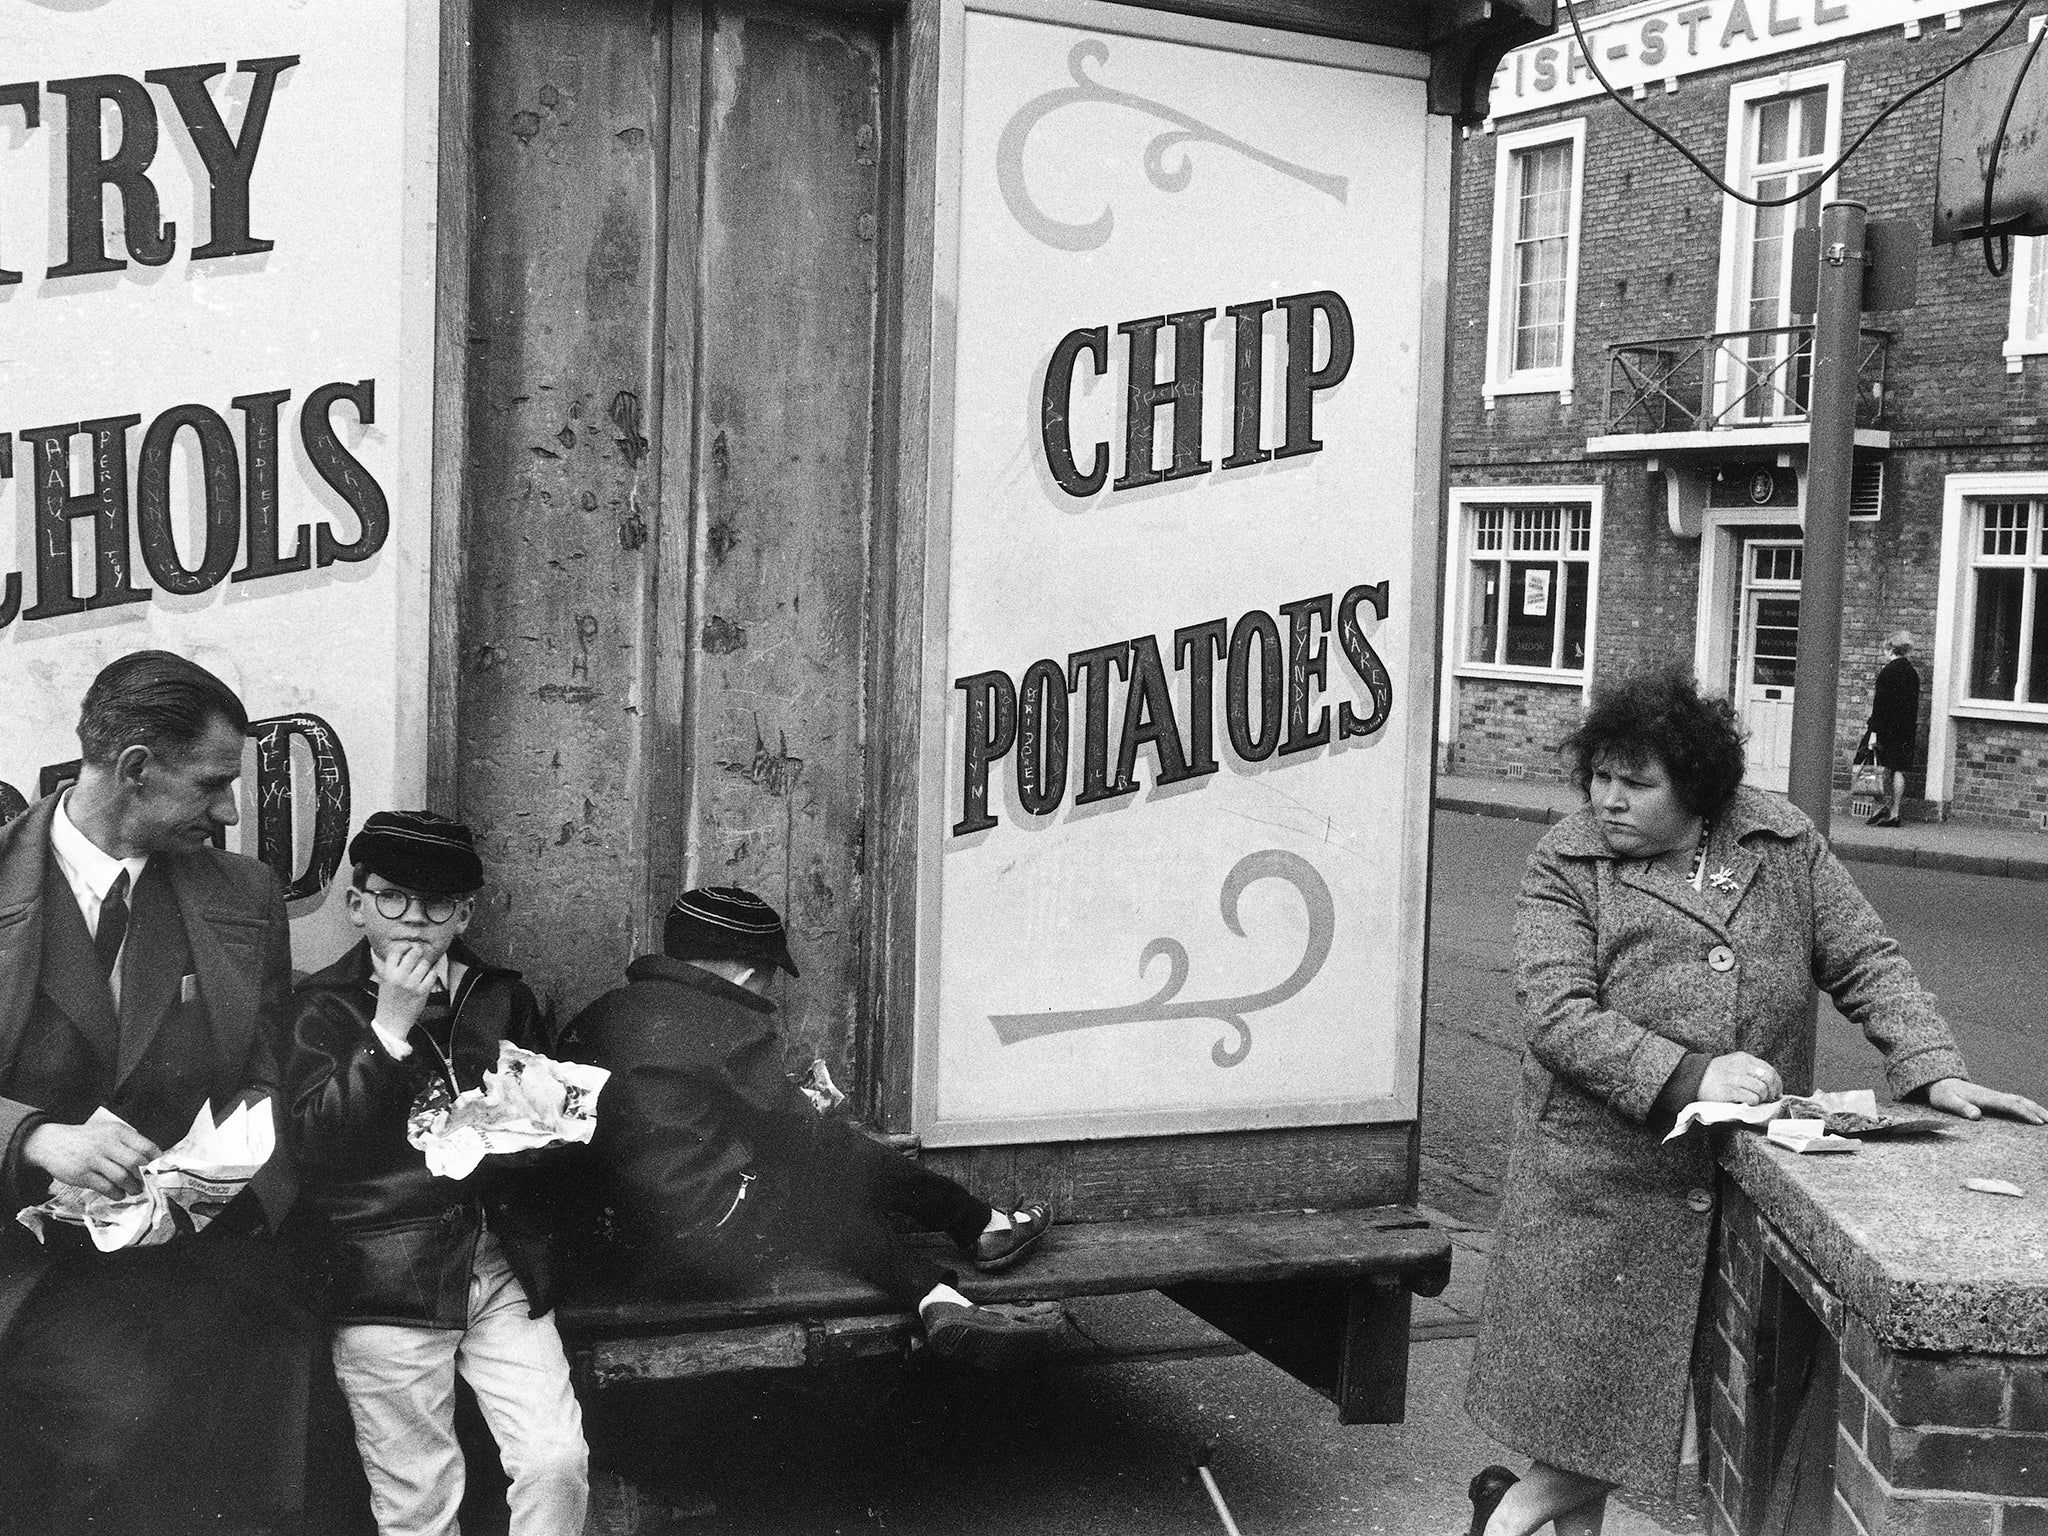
(976, 1336)
(994, 1251)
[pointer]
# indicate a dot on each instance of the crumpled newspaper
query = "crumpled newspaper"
(817, 1086)
(1853, 1112)
(530, 1101)
(1808, 1136)
(197, 1177)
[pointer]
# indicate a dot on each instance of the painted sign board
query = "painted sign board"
(1654, 46)
(216, 356)
(1185, 455)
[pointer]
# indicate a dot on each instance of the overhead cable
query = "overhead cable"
(1586, 51)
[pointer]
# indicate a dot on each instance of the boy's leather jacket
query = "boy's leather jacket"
(397, 1242)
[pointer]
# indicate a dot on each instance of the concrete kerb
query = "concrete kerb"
(1950, 846)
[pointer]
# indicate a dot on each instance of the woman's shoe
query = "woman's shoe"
(997, 1251)
(1487, 1490)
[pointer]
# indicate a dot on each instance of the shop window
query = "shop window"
(1527, 586)
(1537, 177)
(2007, 609)
(1782, 133)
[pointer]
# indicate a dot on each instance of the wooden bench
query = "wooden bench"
(1325, 1295)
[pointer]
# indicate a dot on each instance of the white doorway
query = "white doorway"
(1767, 619)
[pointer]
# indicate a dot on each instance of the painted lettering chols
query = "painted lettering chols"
(1181, 396)
(243, 508)
(1270, 689)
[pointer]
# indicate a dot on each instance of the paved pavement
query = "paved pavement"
(1950, 845)
(1097, 1444)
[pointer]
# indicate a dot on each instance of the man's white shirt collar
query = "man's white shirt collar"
(88, 868)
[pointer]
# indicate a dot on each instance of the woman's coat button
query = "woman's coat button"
(1700, 1201)
(1721, 958)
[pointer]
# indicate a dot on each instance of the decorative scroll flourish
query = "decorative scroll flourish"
(1167, 178)
(1266, 864)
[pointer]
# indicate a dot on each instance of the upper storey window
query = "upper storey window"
(2026, 330)
(1537, 176)
(1782, 133)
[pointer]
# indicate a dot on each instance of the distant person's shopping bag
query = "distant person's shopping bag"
(1865, 777)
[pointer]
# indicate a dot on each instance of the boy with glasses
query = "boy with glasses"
(429, 1275)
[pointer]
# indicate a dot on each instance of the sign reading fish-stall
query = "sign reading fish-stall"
(216, 368)
(1185, 479)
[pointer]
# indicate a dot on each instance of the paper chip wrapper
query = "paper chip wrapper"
(530, 1101)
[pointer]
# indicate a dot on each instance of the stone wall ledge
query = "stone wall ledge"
(1923, 1263)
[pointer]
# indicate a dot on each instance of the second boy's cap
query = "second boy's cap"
(724, 922)
(420, 851)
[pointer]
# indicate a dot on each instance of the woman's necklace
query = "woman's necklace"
(1698, 867)
(1699, 854)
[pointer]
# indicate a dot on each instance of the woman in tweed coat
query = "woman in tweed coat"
(1667, 940)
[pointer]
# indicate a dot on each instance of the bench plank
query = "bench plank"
(1092, 1259)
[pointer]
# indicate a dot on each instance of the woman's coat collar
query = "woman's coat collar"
(1732, 856)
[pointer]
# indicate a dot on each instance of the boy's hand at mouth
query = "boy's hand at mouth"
(405, 980)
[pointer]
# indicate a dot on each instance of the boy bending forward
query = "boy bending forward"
(430, 1275)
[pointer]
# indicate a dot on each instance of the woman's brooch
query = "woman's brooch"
(1722, 879)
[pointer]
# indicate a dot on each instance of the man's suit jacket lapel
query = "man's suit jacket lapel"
(39, 913)
(24, 850)
(230, 992)
(71, 976)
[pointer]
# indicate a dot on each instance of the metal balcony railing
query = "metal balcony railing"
(1728, 379)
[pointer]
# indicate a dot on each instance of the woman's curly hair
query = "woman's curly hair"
(1659, 715)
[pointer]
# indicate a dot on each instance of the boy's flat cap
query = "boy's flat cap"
(420, 851)
(724, 922)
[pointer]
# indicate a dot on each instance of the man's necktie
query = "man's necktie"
(113, 924)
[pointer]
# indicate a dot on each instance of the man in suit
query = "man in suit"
(161, 1388)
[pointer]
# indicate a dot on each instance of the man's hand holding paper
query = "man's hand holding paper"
(104, 1156)
(183, 1189)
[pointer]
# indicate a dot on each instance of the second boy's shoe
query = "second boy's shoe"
(981, 1337)
(995, 1251)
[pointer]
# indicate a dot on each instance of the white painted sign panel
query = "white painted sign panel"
(1187, 430)
(1640, 47)
(216, 354)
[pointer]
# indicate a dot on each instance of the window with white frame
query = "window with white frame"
(1528, 585)
(1782, 133)
(1538, 173)
(2007, 608)
(2026, 329)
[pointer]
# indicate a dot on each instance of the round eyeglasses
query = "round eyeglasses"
(393, 904)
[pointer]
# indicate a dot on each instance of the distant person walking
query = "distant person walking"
(1895, 722)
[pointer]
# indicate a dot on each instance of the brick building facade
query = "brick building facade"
(1626, 415)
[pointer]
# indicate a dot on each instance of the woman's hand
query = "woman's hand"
(1740, 1078)
(1967, 1100)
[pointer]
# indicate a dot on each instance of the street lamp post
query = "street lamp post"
(1831, 445)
